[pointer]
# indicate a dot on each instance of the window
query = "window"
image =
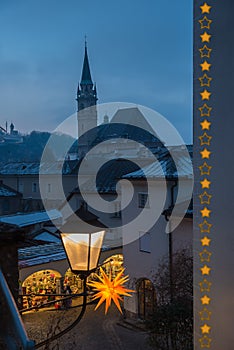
(117, 212)
(145, 242)
(83, 204)
(21, 187)
(49, 188)
(143, 200)
(34, 187)
(6, 206)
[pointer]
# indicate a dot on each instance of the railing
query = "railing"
(12, 329)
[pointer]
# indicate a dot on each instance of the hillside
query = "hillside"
(31, 149)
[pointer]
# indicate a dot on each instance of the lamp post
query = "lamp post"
(83, 252)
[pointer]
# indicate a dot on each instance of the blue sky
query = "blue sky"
(140, 52)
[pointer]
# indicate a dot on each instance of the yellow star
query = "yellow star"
(205, 241)
(205, 212)
(205, 169)
(205, 80)
(108, 289)
(205, 285)
(205, 139)
(205, 255)
(205, 342)
(205, 300)
(205, 183)
(205, 153)
(205, 226)
(205, 328)
(205, 314)
(205, 51)
(205, 198)
(205, 37)
(205, 95)
(205, 66)
(205, 125)
(205, 8)
(205, 22)
(205, 270)
(205, 110)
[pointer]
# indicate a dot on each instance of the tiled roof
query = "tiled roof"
(41, 254)
(23, 220)
(108, 176)
(166, 166)
(135, 127)
(6, 191)
(24, 168)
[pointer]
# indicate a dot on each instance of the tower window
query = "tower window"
(34, 187)
(143, 200)
(6, 206)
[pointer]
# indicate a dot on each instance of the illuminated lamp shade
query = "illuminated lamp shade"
(82, 236)
(83, 250)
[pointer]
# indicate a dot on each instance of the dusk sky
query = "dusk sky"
(139, 51)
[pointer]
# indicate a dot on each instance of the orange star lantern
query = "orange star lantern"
(108, 289)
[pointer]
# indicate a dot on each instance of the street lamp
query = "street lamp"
(83, 252)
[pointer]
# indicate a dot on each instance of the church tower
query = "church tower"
(86, 100)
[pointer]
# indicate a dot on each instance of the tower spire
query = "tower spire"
(86, 100)
(86, 75)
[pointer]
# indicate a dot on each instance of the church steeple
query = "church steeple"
(86, 75)
(86, 92)
(86, 99)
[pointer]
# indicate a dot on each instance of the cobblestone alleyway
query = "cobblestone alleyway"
(95, 331)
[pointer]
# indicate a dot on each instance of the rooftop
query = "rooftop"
(166, 166)
(23, 220)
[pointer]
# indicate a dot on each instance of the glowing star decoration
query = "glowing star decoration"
(108, 289)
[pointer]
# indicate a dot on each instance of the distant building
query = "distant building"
(24, 178)
(10, 137)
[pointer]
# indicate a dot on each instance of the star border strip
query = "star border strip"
(205, 23)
